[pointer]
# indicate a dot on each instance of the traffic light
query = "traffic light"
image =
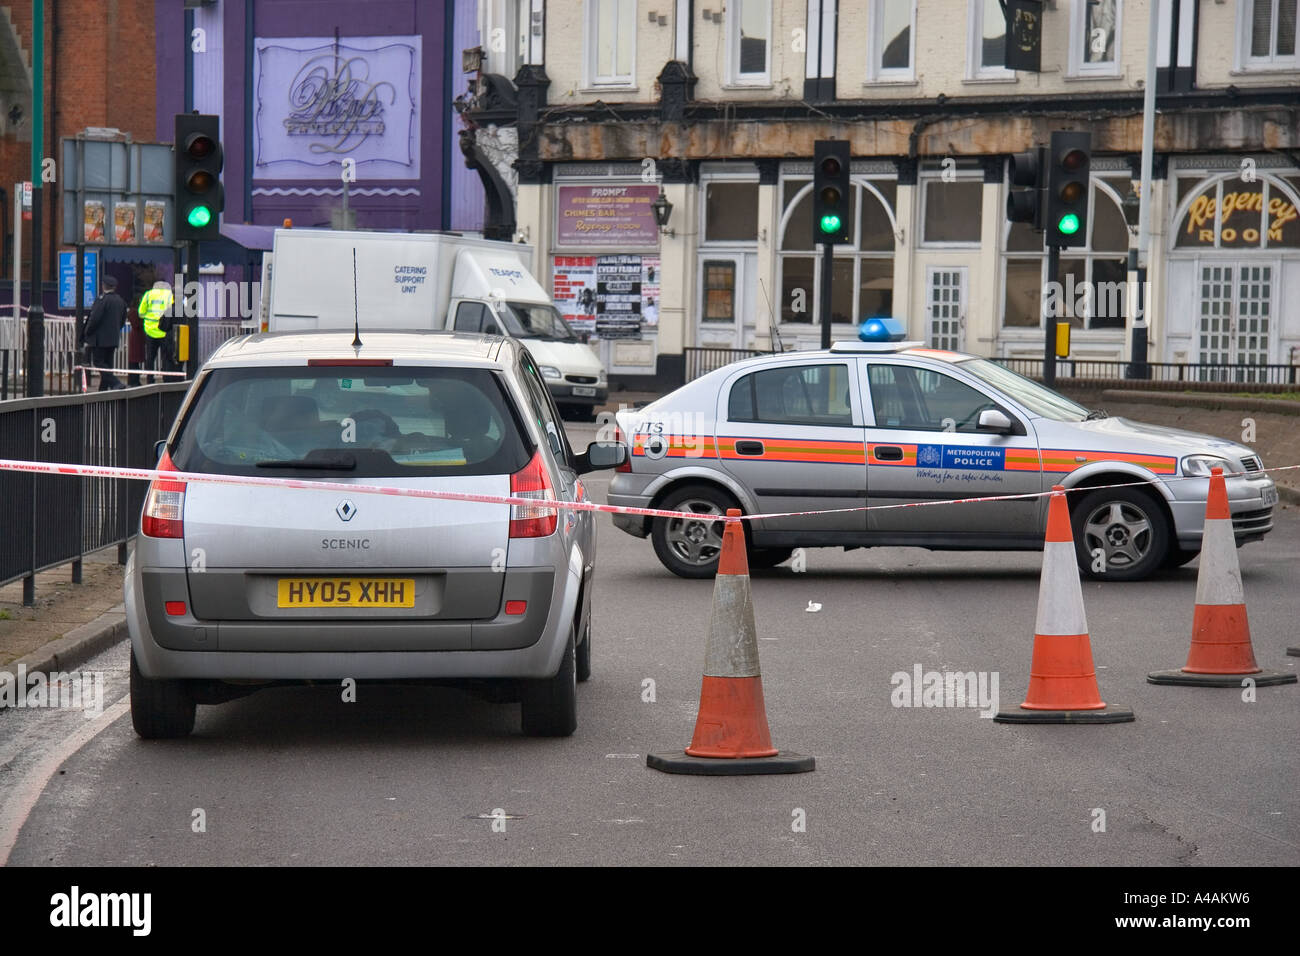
(1026, 205)
(197, 161)
(832, 195)
(1069, 181)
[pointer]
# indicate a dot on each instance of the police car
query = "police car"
(886, 422)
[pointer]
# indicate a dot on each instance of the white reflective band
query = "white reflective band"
(1218, 580)
(1060, 596)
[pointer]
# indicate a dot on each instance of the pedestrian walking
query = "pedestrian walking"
(103, 332)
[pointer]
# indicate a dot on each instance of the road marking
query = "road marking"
(13, 815)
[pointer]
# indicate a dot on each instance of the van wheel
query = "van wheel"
(550, 707)
(1121, 532)
(689, 547)
(160, 709)
(582, 655)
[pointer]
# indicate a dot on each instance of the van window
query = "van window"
(469, 317)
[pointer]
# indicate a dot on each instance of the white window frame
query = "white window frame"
(1244, 62)
(734, 76)
(923, 180)
(875, 48)
(975, 68)
(590, 58)
(1079, 68)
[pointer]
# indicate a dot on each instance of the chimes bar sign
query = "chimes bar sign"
(1238, 218)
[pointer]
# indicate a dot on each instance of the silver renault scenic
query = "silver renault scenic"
(231, 587)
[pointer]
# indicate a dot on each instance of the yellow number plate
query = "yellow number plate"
(346, 592)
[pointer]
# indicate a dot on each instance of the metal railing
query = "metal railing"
(62, 354)
(49, 520)
(1161, 372)
(702, 360)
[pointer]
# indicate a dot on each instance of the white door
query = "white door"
(725, 303)
(945, 302)
(1235, 313)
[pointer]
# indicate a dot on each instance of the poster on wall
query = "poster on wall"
(154, 211)
(93, 219)
(124, 222)
(606, 216)
(608, 297)
(320, 100)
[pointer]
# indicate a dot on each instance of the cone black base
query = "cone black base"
(678, 761)
(1262, 679)
(1107, 715)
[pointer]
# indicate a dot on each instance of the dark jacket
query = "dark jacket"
(107, 316)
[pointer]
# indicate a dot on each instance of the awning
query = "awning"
(249, 236)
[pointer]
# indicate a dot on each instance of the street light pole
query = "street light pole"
(1139, 258)
(36, 314)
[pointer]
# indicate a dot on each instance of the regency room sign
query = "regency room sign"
(318, 101)
(1243, 215)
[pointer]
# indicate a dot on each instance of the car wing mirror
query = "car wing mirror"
(159, 447)
(600, 454)
(993, 420)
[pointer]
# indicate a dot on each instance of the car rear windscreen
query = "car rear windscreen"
(359, 422)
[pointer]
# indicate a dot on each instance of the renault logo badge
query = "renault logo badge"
(346, 509)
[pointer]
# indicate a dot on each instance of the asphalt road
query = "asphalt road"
(413, 775)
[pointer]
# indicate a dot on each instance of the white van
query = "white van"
(406, 281)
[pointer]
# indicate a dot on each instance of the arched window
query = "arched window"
(1092, 279)
(1227, 211)
(863, 282)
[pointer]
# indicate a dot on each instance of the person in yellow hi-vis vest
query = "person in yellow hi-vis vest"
(155, 315)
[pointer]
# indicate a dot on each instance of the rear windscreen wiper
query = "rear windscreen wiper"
(1095, 414)
(330, 463)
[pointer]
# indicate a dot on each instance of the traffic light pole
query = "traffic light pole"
(36, 314)
(191, 294)
(824, 305)
(1049, 321)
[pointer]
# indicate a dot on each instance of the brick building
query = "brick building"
(95, 76)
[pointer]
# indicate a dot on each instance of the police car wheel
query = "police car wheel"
(690, 547)
(1120, 534)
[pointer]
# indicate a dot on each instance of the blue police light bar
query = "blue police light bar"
(881, 330)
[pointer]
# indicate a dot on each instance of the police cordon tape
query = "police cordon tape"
(149, 474)
(127, 371)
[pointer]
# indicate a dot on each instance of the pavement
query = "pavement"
(72, 622)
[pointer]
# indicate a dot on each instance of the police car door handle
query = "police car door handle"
(887, 453)
(749, 448)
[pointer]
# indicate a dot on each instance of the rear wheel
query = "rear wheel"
(549, 708)
(160, 709)
(689, 547)
(1120, 534)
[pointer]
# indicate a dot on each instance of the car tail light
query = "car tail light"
(626, 464)
(164, 505)
(531, 481)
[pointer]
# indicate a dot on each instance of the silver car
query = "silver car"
(232, 586)
(889, 423)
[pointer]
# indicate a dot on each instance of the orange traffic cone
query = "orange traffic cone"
(731, 735)
(1062, 681)
(1221, 653)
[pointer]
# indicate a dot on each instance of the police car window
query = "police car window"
(469, 316)
(906, 397)
(793, 395)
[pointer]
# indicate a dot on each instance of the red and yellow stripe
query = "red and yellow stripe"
(909, 454)
(679, 446)
(795, 450)
(1062, 460)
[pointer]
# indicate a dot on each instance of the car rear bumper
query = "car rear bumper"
(563, 392)
(526, 646)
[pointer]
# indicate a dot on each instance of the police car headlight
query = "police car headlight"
(1198, 466)
(550, 371)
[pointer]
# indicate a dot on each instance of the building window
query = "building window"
(730, 212)
(893, 40)
(1267, 34)
(862, 274)
(611, 42)
(953, 211)
(1095, 37)
(719, 291)
(987, 52)
(749, 29)
(1224, 212)
(1092, 282)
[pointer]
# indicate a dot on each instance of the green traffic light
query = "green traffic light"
(1068, 225)
(199, 217)
(830, 223)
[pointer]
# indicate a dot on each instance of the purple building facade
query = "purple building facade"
(311, 92)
